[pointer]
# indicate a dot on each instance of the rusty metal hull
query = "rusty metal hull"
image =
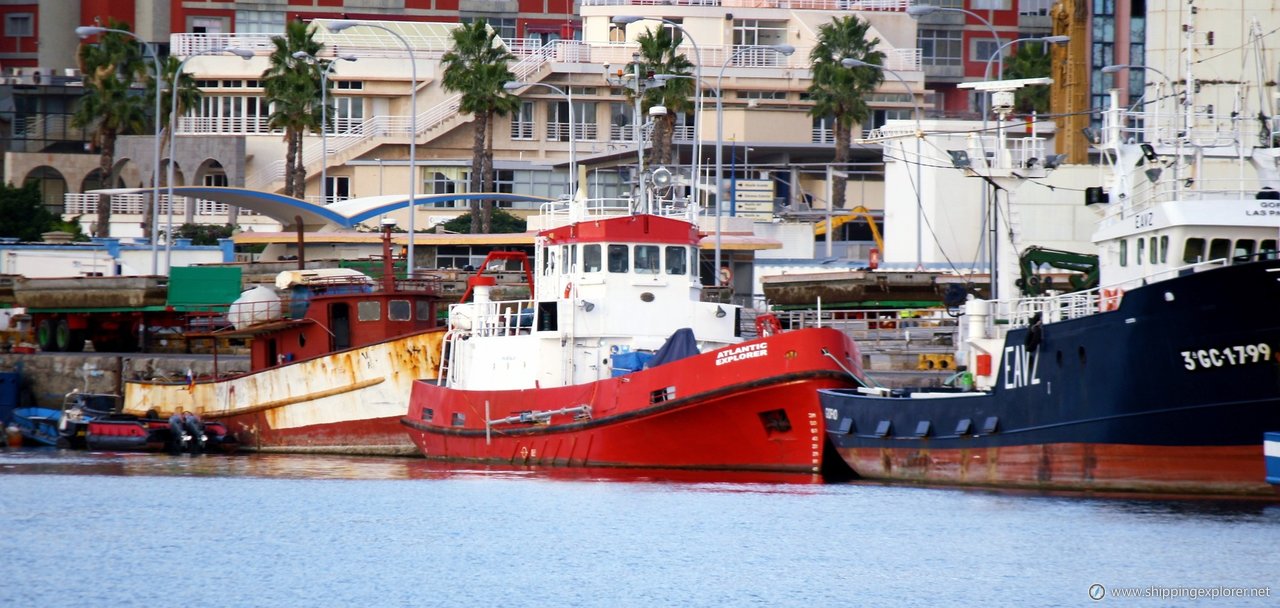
(347, 402)
(1234, 471)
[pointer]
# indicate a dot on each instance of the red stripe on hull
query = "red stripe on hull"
(1173, 470)
(748, 413)
(374, 436)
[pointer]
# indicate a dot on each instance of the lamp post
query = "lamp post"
(781, 49)
(340, 25)
(85, 31)
(849, 62)
(244, 54)
(324, 119)
(567, 93)
(697, 77)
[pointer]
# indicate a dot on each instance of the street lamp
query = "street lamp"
(85, 31)
(849, 62)
(781, 49)
(244, 54)
(324, 119)
(338, 26)
(567, 92)
(697, 76)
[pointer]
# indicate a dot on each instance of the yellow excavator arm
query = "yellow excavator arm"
(820, 228)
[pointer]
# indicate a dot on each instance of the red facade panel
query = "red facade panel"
(98, 11)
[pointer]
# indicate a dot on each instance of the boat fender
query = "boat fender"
(767, 325)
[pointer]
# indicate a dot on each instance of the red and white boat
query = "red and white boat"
(616, 361)
(330, 366)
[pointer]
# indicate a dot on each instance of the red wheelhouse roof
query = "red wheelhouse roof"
(626, 229)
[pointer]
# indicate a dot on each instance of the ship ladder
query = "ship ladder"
(446, 356)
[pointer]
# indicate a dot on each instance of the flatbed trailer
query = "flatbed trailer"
(118, 314)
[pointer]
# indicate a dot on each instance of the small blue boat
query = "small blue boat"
(38, 425)
(1271, 451)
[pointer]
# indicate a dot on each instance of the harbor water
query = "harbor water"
(103, 529)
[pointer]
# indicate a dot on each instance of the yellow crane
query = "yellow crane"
(1069, 93)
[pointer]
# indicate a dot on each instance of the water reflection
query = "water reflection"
(41, 461)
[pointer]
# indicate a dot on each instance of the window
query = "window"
(1141, 249)
(206, 25)
(1164, 250)
(1154, 255)
(647, 260)
(19, 25)
(259, 22)
(777, 95)
(348, 113)
(1244, 250)
(940, 47)
(423, 312)
(823, 130)
(349, 85)
(505, 27)
(522, 121)
(369, 311)
(591, 258)
(1219, 249)
(758, 32)
(1193, 252)
(617, 258)
(984, 49)
(1267, 250)
(399, 310)
(1124, 252)
(676, 263)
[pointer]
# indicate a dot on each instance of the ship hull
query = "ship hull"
(1170, 394)
(347, 402)
(751, 406)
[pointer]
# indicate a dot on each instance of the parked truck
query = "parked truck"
(119, 314)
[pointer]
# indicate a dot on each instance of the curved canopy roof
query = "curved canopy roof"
(343, 214)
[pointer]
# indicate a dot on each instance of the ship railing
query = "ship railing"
(903, 331)
(496, 318)
(564, 211)
(1021, 312)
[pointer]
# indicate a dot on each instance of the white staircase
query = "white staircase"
(379, 130)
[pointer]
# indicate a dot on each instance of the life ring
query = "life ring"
(1109, 298)
(726, 275)
(767, 325)
(568, 289)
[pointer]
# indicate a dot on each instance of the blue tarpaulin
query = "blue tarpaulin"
(680, 345)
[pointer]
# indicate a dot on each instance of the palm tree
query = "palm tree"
(476, 67)
(108, 106)
(188, 97)
(292, 86)
(659, 54)
(839, 91)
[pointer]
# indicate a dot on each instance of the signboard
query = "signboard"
(753, 198)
